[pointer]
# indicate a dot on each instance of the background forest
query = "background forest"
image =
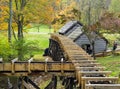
(24, 23)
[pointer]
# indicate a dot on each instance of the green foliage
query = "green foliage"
(115, 6)
(111, 38)
(6, 51)
(33, 44)
(10, 51)
(112, 63)
(91, 11)
(26, 48)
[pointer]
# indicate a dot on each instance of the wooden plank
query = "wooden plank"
(94, 73)
(87, 64)
(26, 85)
(84, 61)
(99, 78)
(90, 68)
(86, 79)
(102, 86)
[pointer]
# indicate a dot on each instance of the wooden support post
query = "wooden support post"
(71, 83)
(13, 65)
(62, 68)
(82, 84)
(29, 67)
(26, 85)
(30, 82)
(46, 60)
(79, 78)
(20, 82)
(78, 75)
(54, 79)
(1, 59)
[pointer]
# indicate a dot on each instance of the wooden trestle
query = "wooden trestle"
(89, 73)
(70, 61)
(17, 68)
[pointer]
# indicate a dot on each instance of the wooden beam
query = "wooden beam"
(26, 85)
(87, 64)
(84, 80)
(99, 78)
(33, 68)
(90, 68)
(102, 86)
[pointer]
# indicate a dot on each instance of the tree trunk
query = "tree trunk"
(20, 39)
(14, 35)
(89, 14)
(10, 22)
(93, 49)
(20, 19)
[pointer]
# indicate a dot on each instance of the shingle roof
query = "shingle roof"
(75, 33)
(67, 27)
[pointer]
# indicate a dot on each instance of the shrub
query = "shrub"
(6, 51)
(25, 49)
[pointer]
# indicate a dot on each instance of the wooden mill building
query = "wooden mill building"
(73, 30)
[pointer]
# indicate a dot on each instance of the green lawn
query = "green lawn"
(42, 40)
(112, 63)
(42, 29)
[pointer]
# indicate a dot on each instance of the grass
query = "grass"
(42, 29)
(42, 41)
(112, 63)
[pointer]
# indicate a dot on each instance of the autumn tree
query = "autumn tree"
(68, 11)
(42, 13)
(26, 12)
(3, 15)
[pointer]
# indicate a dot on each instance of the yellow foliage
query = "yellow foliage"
(3, 15)
(3, 26)
(64, 15)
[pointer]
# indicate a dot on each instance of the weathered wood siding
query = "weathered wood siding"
(100, 45)
(83, 39)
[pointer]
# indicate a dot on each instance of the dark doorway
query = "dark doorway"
(87, 48)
